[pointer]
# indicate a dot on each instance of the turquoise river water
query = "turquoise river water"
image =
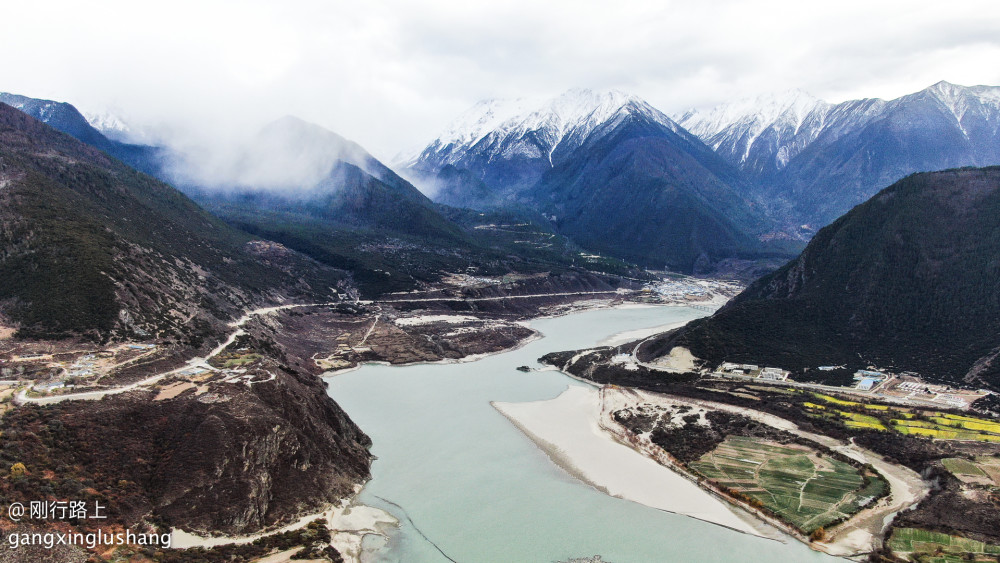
(468, 486)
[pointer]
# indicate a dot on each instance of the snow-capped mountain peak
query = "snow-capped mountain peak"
(958, 99)
(562, 111)
(578, 106)
(482, 118)
(532, 128)
(762, 135)
(750, 117)
(783, 123)
(757, 112)
(110, 124)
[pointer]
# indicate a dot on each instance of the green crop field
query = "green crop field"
(804, 488)
(924, 545)
(984, 470)
(962, 467)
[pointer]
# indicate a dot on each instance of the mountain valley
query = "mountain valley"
(171, 354)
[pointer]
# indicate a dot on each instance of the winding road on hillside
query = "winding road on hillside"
(198, 362)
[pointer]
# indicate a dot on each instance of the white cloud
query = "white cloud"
(391, 74)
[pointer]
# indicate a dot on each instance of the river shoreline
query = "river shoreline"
(467, 485)
(567, 429)
(349, 523)
(535, 336)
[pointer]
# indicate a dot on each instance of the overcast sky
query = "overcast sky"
(390, 75)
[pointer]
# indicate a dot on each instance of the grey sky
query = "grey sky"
(390, 75)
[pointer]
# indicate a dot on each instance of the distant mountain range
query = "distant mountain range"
(811, 161)
(741, 186)
(510, 144)
(325, 196)
(609, 170)
(907, 281)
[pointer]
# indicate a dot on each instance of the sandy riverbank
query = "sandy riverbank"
(566, 429)
(348, 521)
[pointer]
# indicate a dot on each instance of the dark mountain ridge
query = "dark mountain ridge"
(909, 280)
(91, 246)
(638, 190)
(66, 118)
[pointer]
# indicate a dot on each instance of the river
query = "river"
(468, 486)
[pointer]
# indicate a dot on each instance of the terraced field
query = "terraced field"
(933, 547)
(846, 403)
(856, 420)
(803, 487)
(968, 423)
(933, 424)
(851, 419)
(944, 429)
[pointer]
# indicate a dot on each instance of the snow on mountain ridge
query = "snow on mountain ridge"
(744, 121)
(109, 124)
(958, 100)
(482, 118)
(764, 133)
(760, 110)
(44, 108)
(532, 128)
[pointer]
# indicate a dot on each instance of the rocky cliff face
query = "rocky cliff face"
(235, 459)
(240, 473)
